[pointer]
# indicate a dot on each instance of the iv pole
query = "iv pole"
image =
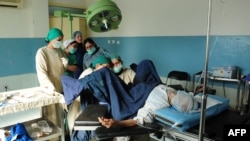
(204, 96)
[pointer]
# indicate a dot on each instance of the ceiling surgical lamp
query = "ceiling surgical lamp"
(102, 16)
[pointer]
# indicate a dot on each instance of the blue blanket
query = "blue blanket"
(123, 102)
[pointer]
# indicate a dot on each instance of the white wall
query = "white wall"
(29, 21)
(39, 17)
(180, 17)
(140, 18)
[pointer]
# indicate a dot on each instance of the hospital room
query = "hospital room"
(187, 63)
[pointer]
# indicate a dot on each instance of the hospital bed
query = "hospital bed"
(124, 103)
(171, 125)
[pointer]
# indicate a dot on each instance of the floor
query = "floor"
(67, 138)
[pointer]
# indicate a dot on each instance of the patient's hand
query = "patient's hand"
(199, 89)
(107, 122)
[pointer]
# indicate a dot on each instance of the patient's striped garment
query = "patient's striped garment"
(157, 99)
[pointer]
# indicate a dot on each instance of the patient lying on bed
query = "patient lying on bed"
(160, 97)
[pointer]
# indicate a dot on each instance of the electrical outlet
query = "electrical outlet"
(6, 87)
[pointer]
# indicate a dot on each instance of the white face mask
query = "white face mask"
(91, 51)
(118, 68)
(57, 44)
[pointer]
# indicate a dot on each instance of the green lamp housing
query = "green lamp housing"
(103, 16)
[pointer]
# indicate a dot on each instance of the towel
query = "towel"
(18, 133)
(210, 103)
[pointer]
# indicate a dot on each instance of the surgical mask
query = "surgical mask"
(57, 44)
(118, 68)
(91, 51)
(72, 50)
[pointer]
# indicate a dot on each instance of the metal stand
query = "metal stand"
(204, 96)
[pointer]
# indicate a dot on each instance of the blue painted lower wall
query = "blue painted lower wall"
(185, 53)
(17, 55)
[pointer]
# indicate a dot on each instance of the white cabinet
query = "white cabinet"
(24, 106)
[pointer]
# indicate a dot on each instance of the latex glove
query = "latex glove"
(65, 62)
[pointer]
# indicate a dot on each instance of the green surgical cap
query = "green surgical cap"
(114, 56)
(101, 59)
(53, 34)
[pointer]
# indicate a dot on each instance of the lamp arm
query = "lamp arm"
(78, 15)
(70, 17)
